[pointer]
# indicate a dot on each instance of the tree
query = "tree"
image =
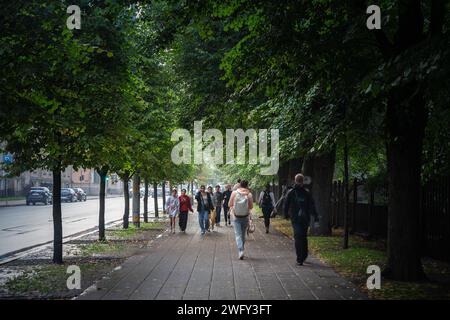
(42, 114)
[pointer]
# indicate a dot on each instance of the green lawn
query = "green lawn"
(50, 279)
(132, 230)
(12, 198)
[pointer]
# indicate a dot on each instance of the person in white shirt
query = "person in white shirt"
(173, 208)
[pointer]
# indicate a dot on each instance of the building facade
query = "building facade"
(87, 179)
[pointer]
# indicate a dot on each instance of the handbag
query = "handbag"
(250, 227)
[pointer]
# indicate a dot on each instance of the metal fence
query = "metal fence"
(369, 213)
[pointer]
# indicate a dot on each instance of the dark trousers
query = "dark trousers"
(182, 220)
(267, 212)
(301, 241)
(225, 214)
(218, 211)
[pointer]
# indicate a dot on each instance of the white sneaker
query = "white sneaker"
(241, 255)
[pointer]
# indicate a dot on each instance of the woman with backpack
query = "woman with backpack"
(241, 204)
(267, 205)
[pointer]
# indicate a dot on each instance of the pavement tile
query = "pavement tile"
(201, 267)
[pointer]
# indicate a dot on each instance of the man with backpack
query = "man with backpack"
(267, 205)
(299, 206)
(241, 204)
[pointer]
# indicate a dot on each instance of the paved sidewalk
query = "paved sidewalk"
(192, 266)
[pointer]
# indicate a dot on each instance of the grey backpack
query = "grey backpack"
(241, 205)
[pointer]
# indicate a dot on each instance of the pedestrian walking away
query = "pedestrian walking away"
(241, 205)
(226, 208)
(267, 204)
(218, 201)
(204, 205)
(212, 212)
(173, 208)
(299, 207)
(185, 207)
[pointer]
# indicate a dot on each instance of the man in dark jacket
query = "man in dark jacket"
(226, 208)
(299, 206)
(204, 206)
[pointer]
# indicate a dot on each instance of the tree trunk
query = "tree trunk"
(57, 218)
(346, 198)
(126, 195)
(163, 188)
(146, 201)
(101, 215)
(295, 166)
(155, 194)
(136, 200)
(355, 202)
(406, 119)
(321, 170)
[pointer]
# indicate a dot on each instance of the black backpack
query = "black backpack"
(266, 201)
(302, 200)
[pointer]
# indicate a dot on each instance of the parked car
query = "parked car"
(81, 195)
(39, 194)
(68, 195)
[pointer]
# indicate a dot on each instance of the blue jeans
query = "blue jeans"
(240, 229)
(203, 220)
(218, 211)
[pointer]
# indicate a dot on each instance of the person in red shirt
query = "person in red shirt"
(185, 207)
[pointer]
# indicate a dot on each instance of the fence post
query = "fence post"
(370, 220)
(338, 215)
(355, 200)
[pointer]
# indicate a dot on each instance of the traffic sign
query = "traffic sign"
(7, 158)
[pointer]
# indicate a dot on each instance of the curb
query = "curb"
(17, 254)
(14, 255)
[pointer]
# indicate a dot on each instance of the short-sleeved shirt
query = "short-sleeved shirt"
(173, 206)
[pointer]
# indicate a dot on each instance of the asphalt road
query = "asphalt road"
(25, 226)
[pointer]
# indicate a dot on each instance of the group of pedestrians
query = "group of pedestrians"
(237, 202)
(178, 206)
